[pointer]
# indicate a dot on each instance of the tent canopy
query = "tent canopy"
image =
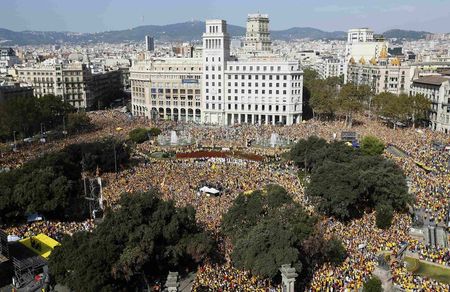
(209, 190)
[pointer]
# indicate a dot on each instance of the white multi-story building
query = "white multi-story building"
(329, 66)
(437, 90)
(381, 75)
(362, 47)
(257, 38)
(357, 35)
(8, 59)
(219, 88)
(74, 83)
(256, 90)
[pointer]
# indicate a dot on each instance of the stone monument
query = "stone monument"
(288, 276)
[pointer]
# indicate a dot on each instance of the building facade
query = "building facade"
(219, 88)
(8, 59)
(329, 66)
(73, 82)
(362, 45)
(167, 88)
(149, 43)
(257, 38)
(381, 75)
(437, 90)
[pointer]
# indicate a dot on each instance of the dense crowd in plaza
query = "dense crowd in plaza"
(181, 179)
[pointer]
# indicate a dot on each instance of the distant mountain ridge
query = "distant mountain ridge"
(187, 31)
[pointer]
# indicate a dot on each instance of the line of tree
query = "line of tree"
(268, 229)
(51, 185)
(24, 115)
(344, 182)
(328, 98)
(408, 110)
(141, 241)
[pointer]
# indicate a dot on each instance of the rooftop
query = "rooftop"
(432, 80)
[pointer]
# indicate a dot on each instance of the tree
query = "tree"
(52, 109)
(139, 135)
(334, 251)
(265, 248)
(373, 285)
(105, 154)
(51, 184)
(24, 115)
(78, 122)
(351, 100)
(145, 236)
(323, 98)
(337, 190)
(19, 114)
(420, 107)
(395, 108)
(344, 183)
(154, 132)
(302, 150)
(309, 76)
(43, 191)
(384, 216)
(311, 153)
(371, 145)
(267, 229)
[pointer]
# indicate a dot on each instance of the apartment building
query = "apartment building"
(437, 89)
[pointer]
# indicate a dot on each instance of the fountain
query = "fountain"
(273, 140)
(173, 138)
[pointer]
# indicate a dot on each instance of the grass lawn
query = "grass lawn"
(440, 274)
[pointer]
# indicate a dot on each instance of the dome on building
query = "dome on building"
(352, 61)
(395, 62)
(362, 61)
(373, 61)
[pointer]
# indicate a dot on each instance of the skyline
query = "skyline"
(98, 16)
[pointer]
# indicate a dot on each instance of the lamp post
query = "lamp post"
(15, 145)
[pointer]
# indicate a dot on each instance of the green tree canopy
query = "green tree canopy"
(51, 184)
(351, 100)
(139, 135)
(78, 122)
(371, 145)
(24, 115)
(384, 216)
(145, 236)
(373, 285)
(268, 229)
(154, 132)
(346, 189)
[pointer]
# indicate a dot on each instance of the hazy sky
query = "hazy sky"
(101, 15)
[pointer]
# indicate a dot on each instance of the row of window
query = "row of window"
(175, 103)
(269, 108)
(256, 84)
(189, 97)
(174, 91)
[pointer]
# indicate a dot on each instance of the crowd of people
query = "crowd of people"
(53, 229)
(426, 167)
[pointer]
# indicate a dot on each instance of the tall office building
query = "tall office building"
(257, 38)
(216, 52)
(149, 43)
